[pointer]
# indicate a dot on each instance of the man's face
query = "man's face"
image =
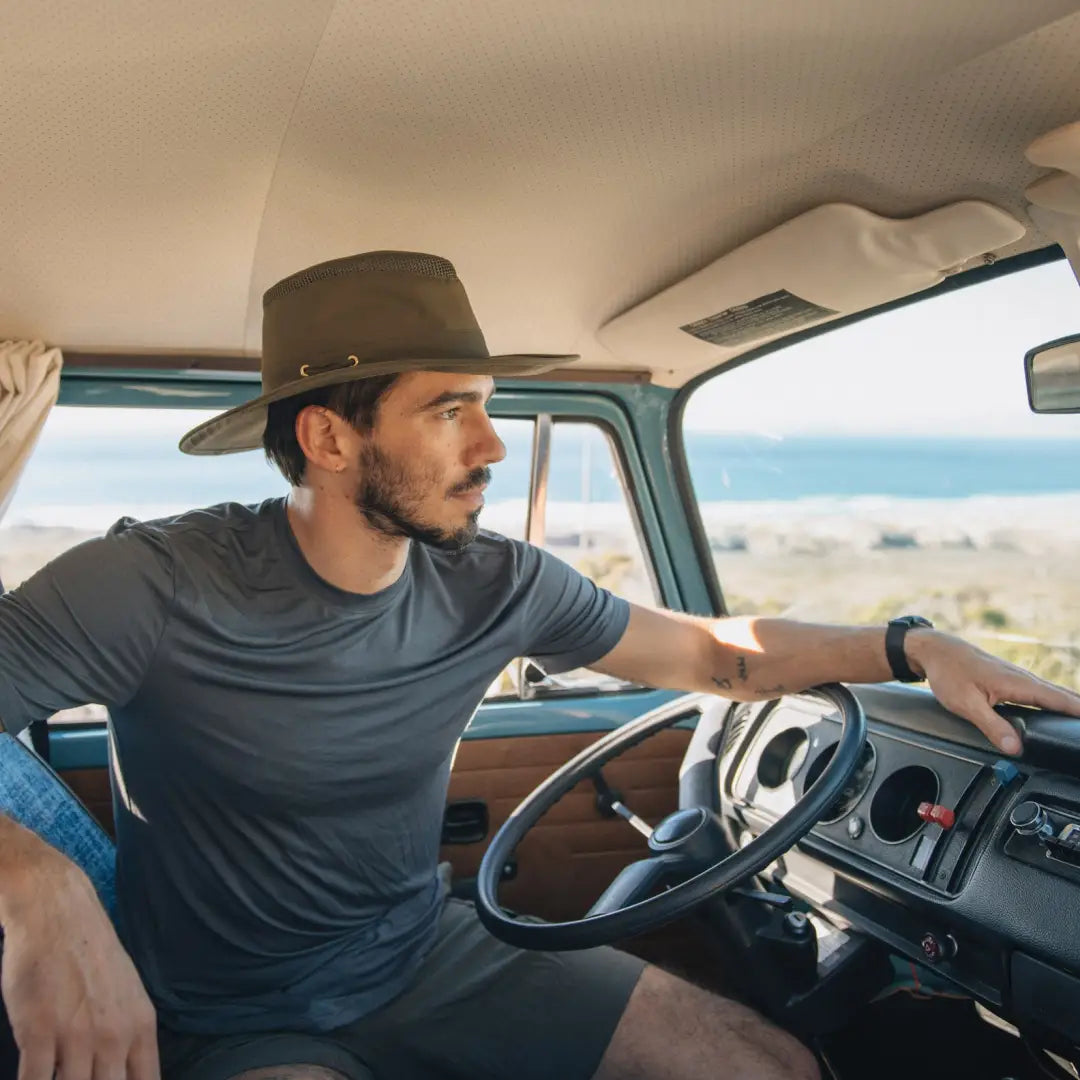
(423, 466)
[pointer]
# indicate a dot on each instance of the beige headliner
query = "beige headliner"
(163, 163)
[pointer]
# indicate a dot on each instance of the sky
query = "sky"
(951, 365)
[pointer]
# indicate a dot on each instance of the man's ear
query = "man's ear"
(325, 438)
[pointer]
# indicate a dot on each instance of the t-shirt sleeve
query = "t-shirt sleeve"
(84, 628)
(570, 622)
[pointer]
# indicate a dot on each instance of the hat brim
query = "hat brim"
(242, 428)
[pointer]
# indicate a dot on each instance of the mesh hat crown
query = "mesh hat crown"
(376, 313)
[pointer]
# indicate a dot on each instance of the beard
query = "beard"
(390, 495)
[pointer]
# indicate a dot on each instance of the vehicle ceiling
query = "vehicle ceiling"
(164, 163)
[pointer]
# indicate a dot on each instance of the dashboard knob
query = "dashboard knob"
(1030, 819)
(937, 815)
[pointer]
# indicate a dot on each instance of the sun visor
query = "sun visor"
(831, 261)
(1055, 198)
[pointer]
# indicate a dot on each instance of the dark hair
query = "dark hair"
(356, 401)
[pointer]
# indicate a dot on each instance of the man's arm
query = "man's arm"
(754, 659)
(82, 629)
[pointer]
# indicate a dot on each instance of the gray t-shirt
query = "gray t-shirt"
(281, 748)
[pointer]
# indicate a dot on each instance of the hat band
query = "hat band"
(307, 370)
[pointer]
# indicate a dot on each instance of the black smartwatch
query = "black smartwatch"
(895, 633)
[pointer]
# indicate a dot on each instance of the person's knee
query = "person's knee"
(769, 1051)
(762, 1049)
(673, 1029)
(799, 1061)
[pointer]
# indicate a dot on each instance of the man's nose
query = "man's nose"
(489, 448)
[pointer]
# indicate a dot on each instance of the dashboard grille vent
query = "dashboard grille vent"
(739, 719)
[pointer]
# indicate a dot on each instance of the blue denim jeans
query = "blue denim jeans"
(34, 796)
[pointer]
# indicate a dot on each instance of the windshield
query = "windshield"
(893, 467)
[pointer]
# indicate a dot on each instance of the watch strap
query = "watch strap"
(895, 633)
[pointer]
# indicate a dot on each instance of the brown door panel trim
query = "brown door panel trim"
(572, 854)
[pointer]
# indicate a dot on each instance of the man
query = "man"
(287, 684)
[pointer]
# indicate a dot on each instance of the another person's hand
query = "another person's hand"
(74, 999)
(970, 682)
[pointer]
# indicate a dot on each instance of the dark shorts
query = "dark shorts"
(478, 1009)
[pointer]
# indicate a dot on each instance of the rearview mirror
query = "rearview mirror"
(1053, 376)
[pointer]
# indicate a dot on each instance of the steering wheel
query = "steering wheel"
(684, 845)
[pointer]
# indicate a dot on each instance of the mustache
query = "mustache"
(476, 479)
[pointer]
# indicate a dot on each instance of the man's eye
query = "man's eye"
(450, 414)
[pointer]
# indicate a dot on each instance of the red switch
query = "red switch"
(937, 815)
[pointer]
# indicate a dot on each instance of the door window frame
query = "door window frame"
(544, 425)
(609, 416)
(79, 744)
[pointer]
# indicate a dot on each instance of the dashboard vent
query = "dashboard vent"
(737, 726)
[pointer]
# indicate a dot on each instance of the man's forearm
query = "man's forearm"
(757, 658)
(754, 659)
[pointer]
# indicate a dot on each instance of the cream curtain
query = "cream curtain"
(29, 385)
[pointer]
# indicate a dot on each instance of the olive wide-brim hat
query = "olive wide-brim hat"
(371, 314)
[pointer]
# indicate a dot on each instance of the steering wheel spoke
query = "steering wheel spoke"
(627, 814)
(637, 880)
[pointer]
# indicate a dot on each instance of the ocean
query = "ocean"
(84, 482)
(754, 469)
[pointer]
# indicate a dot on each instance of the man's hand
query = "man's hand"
(76, 1004)
(970, 682)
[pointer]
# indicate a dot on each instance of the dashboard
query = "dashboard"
(938, 847)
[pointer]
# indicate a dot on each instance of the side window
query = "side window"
(893, 467)
(582, 512)
(590, 520)
(94, 465)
